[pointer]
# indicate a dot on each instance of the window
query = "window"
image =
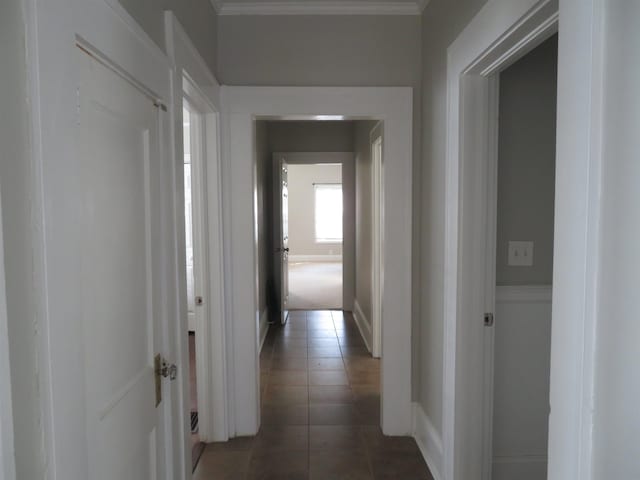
(328, 212)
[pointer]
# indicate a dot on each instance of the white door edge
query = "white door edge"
(192, 80)
(7, 453)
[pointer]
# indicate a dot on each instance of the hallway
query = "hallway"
(320, 401)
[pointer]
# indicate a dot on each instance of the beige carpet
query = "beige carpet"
(315, 286)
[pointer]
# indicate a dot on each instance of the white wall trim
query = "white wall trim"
(193, 80)
(503, 31)
(264, 327)
(363, 323)
(7, 452)
(315, 258)
(242, 106)
(523, 293)
(322, 8)
(429, 441)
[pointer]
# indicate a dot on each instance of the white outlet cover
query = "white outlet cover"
(520, 254)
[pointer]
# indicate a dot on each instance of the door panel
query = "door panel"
(117, 144)
(284, 187)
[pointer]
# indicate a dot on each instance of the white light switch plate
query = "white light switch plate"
(520, 254)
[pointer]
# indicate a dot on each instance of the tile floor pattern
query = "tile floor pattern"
(320, 397)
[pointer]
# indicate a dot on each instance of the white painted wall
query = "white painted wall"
(617, 387)
(301, 208)
(16, 171)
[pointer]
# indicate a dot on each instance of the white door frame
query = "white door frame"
(502, 32)
(241, 107)
(377, 260)
(55, 28)
(7, 454)
(346, 159)
(192, 80)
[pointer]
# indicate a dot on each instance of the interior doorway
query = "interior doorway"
(523, 246)
(194, 255)
(314, 219)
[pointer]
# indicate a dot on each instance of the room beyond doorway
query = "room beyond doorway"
(315, 285)
(315, 229)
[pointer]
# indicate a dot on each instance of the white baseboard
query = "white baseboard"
(264, 327)
(428, 440)
(524, 467)
(523, 293)
(315, 258)
(363, 324)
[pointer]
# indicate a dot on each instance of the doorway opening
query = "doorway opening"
(315, 239)
(519, 378)
(194, 261)
(474, 313)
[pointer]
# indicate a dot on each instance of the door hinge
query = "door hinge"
(162, 368)
(488, 319)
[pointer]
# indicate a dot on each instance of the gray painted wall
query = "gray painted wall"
(364, 226)
(442, 21)
(301, 208)
(263, 180)
(310, 136)
(527, 162)
(197, 17)
(17, 209)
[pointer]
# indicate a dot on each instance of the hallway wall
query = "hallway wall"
(527, 163)
(442, 22)
(310, 136)
(197, 17)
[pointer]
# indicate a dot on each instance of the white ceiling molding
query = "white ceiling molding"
(216, 4)
(423, 4)
(321, 8)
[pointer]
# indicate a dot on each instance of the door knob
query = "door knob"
(285, 249)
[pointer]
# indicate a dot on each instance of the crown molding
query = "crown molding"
(423, 4)
(321, 8)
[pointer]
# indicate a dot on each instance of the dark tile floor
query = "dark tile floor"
(320, 397)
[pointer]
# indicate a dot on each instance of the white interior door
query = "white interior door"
(284, 195)
(281, 234)
(118, 144)
(378, 242)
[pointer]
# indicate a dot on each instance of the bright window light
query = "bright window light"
(328, 212)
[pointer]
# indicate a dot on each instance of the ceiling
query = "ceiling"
(319, 7)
